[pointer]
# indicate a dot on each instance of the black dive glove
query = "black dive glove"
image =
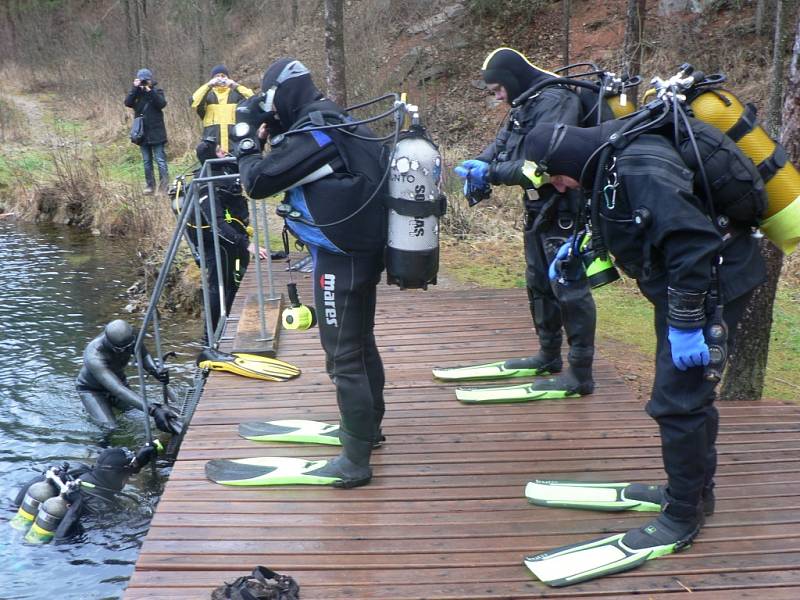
(162, 375)
(166, 419)
(249, 117)
(146, 453)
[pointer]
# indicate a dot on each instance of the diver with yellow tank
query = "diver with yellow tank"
(51, 505)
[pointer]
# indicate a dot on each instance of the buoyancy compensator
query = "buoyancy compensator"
(414, 204)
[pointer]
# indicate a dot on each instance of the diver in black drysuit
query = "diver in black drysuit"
(549, 220)
(232, 216)
(669, 252)
(102, 383)
(328, 176)
(103, 481)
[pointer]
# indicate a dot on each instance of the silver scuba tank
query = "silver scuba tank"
(35, 495)
(49, 517)
(415, 204)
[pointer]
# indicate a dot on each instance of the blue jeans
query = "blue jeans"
(150, 152)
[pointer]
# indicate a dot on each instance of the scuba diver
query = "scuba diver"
(102, 384)
(549, 218)
(232, 218)
(687, 263)
(332, 179)
(51, 505)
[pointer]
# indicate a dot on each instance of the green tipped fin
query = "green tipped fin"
(291, 430)
(493, 370)
(608, 497)
(583, 561)
(267, 470)
(509, 393)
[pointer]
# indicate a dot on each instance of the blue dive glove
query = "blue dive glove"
(554, 271)
(474, 173)
(689, 348)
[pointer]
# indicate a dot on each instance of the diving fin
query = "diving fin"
(610, 497)
(268, 470)
(291, 430)
(596, 558)
(247, 365)
(524, 392)
(504, 369)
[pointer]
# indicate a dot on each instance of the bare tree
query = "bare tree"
(759, 19)
(334, 51)
(744, 379)
(632, 49)
(567, 10)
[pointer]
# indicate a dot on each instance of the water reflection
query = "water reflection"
(58, 288)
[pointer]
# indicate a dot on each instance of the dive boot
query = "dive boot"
(351, 468)
(663, 531)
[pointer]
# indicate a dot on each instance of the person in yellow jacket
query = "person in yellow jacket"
(215, 101)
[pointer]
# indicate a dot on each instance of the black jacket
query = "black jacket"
(677, 242)
(150, 105)
(506, 154)
(345, 172)
(232, 214)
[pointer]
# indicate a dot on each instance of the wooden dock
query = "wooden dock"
(445, 516)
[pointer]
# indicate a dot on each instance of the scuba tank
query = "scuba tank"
(49, 517)
(415, 202)
(36, 494)
(724, 111)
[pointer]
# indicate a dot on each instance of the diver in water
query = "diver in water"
(102, 384)
(52, 504)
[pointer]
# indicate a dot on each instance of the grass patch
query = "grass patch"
(784, 347)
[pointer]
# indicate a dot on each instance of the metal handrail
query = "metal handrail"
(191, 206)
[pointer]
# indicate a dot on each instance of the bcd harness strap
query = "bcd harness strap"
(417, 208)
(747, 122)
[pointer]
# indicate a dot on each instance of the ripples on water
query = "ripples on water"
(57, 289)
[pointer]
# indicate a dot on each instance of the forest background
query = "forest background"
(67, 65)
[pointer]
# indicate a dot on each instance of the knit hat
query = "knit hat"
(219, 70)
(144, 74)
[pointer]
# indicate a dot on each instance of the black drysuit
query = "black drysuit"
(675, 247)
(548, 224)
(340, 173)
(232, 217)
(102, 384)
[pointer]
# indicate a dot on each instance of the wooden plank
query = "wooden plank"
(249, 338)
(445, 516)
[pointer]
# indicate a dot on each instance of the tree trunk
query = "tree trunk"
(567, 9)
(759, 24)
(294, 10)
(141, 36)
(776, 87)
(747, 368)
(334, 51)
(632, 49)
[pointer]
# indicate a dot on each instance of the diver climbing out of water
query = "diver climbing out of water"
(51, 505)
(687, 263)
(102, 384)
(549, 220)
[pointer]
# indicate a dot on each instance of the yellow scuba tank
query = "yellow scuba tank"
(724, 111)
(35, 495)
(50, 514)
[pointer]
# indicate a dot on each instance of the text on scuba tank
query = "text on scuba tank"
(417, 227)
(328, 284)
